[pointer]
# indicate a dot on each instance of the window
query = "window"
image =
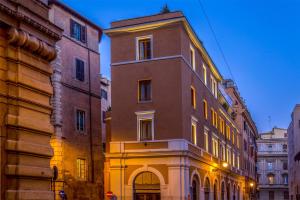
(228, 154)
(80, 120)
(145, 120)
(215, 145)
(223, 153)
(103, 94)
(270, 147)
(286, 195)
(238, 162)
(214, 86)
(245, 145)
(233, 159)
(192, 58)
(237, 141)
(206, 139)
(271, 179)
(81, 169)
(144, 90)
(204, 75)
(233, 137)
(284, 165)
(79, 69)
(285, 179)
(216, 119)
(270, 166)
(212, 116)
(194, 133)
(284, 147)
(193, 97)
(78, 31)
(144, 48)
(228, 132)
(205, 109)
(103, 117)
(271, 195)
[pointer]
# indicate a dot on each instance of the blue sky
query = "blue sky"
(260, 40)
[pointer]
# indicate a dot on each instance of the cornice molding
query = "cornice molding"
(22, 17)
(30, 43)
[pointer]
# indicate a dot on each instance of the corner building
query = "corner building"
(172, 131)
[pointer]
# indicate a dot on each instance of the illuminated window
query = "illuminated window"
(194, 133)
(216, 119)
(144, 90)
(270, 165)
(144, 48)
(271, 179)
(193, 97)
(79, 65)
(192, 58)
(228, 154)
(285, 179)
(212, 116)
(81, 169)
(205, 109)
(145, 123)
(233, 137)
(238, 162)
(206, 139)
(238, 141)
(215, 145)
(204, 75)
(223, 152)
(233, 159)
(228, 132)
(78, 31)
(214, 86)
(80, 120)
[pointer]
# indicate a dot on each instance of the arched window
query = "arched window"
(228, 191)
(146, 186)
(195, 188)
(216, 190)
(222, 191)
(271, 179)
(234, 193)
(206, 189)
(238, 193)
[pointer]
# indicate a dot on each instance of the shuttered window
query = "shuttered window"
(78, 31)
(79, 69)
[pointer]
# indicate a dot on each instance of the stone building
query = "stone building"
(76, 116)
(294, 154)
(249, 135)
(27, 46)
(105, 105)
(173, 133)
(273, 165)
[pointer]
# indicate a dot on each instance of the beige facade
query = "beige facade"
(27, 46)
(294, 155)
(272, 163)
(173, 135)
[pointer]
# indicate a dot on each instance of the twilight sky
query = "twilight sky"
(260, 40)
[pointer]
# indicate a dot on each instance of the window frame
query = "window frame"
(138, 89)
(83, 131)
(145, 115)
(194, 122)
(137, 49)
(192, 55)
(193, 97)
(83, 31)
(79, 170)
(206, 140)
(205, 109)
(204, 70)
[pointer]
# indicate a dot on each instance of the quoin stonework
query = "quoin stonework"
(76, 117)
(177, 130)
(272, 165)
(27, 48)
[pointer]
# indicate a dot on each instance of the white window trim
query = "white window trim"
(137, 49)
(144, 115)
(194, 122)
(204, 74)
(214, 86)
(194, 57)
(215, 145)
(206, 131)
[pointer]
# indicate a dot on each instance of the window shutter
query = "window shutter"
(71, 28)
(83, 34)
(81, 70)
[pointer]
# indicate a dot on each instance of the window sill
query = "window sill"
(147, 101)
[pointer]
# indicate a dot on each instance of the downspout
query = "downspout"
(90, 120)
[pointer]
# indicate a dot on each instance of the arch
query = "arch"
(206, 189)
(195, 188)
(195, 173)
(238, 192)
(215, 190)
(234, 192)
(223, 190)
(228, 190)
(144, 169)
(146, 186)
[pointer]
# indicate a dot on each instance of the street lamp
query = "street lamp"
(225, 164)
(251, 185)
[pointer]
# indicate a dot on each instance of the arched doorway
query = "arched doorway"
(228, 191)
(223, 191)
(206, 189)
(216, 190)
(238, 193)
(146, 187)
(233, 193)
(195, 188)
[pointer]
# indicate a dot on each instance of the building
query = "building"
(27, 47)
(249, 133)
(173, 133)
(294, 154)
(272, 162)
(105, 105)
(76, 117)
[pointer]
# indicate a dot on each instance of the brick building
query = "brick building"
(77, 103)
(173, 132)
(272, 163)
(105, 105)
(27, 46)
(294, 154)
